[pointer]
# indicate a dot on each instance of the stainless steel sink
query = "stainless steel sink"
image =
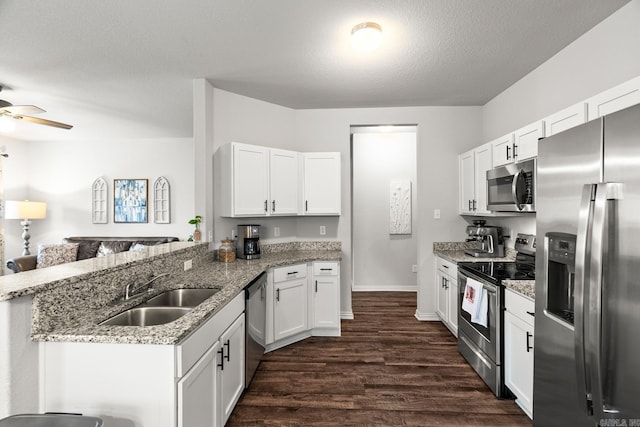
(180, 298)
(146, 316)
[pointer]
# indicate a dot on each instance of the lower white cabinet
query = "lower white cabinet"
(194, 383)
(303, 300)
(518, 350)
(447, 293)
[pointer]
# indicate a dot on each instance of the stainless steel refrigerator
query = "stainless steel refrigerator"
(587, 319)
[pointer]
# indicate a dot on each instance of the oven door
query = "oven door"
(488, 339)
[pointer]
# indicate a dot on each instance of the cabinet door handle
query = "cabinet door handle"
(221, 364)
(316, 286)
(446, 283)
(306, 205)
(508, 156)
(515, 151)
(474, 204)
(469, 205)
(278, 294)
(265, 205)
(228, 345)
(529, 346)
(273, 206)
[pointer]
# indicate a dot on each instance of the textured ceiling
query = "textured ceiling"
(119, 68)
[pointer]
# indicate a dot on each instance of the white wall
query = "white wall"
(604, 57)
(382, 261)
(61, 174)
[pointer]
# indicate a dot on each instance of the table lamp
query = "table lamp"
(25, 210)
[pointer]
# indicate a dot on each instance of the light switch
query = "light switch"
(436, 214)
(323, 230)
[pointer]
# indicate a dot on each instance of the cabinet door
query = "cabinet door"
(321, 184)
(231, 364)
(290, 308)
(326, 302)
(526, 141)
(518, 337)
(250, 179)
(502, 150)
(442, 306)
(565, 119)
(467, 182)
(197, 392)
(283, 185)
(482, 163)
(452, 300)
(615, 99)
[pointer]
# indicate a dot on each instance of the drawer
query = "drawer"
(282, 274)
(519, 305)
(446, 267)
(325, 268)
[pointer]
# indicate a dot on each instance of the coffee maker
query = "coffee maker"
(491, 239)
(248, 241)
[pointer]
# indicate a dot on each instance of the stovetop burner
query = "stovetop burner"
(497, 271)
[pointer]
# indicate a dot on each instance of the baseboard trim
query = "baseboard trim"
(407, 288)
(427, 317)
(346, 315)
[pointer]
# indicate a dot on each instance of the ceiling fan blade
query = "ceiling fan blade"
(43, 121)
(23, 109)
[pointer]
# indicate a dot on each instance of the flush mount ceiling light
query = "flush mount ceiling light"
(366, 36)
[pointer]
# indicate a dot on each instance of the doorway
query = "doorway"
(384, 238)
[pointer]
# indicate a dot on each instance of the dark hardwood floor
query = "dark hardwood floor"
(387, 369)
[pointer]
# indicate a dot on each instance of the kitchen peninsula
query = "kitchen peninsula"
(69, 308)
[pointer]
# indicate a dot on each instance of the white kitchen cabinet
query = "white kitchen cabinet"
(565, 119)
(615, 99)
(518, 350)
(473, 166)
(322, 184)
(180, 385)
(447, 293)
(289, 301)
(283, 182)
(231, 364)
(325, 291)
(523, 145)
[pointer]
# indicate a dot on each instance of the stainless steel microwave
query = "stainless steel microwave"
(512, 187)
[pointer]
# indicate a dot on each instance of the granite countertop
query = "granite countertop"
(230, 278)
(454, 252)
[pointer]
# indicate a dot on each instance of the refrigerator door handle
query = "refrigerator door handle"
(606, 193)
(583, 255)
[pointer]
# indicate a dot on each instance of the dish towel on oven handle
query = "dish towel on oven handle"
(475, 301)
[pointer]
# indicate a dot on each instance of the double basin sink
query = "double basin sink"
(163, 308)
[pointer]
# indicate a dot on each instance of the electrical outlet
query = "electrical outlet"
(414, 268)
(188, 264)
(233, 234)
(276, 231)
(210, 235)
(436, 214)
(323, 230)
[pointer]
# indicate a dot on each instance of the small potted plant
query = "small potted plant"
(197, 235)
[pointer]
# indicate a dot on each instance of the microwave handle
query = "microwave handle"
(514, 189)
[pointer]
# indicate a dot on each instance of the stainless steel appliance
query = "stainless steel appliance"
(256, 319)
(248, 241)
(492, 241)
(587, 346)
(482, 346)
(512, 187)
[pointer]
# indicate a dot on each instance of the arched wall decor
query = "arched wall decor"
(99, 201)
(161, 201)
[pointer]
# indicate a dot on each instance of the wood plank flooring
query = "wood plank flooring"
(387, 369)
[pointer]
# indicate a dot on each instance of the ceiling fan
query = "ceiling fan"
(19, 112)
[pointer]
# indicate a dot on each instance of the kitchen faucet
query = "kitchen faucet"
(130, 290)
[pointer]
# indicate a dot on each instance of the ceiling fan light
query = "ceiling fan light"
(366, 36)
(6, 124)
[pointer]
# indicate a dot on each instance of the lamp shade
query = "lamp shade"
(24, 209)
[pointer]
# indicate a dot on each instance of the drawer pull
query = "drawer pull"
(326, 269)
(531, 313)
(292, 272)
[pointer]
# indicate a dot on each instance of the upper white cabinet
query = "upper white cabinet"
(254, 181)
(321, 190)
(566, 119)
(614, 99)
(520, 145)
(283, 182)
(473, 166)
